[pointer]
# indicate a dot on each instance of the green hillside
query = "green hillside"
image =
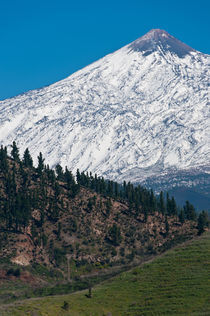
(176, 283)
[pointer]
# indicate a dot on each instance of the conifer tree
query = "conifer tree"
(181, 216)
(27, 159)
(59, 171)
(189, 211)
(15, 152)
(40, 164)
(168, 204)
(152, 201)
(202, 222)
(3, 160)
(173, 206)
(78, 176)
(162, 203)
(114, 235)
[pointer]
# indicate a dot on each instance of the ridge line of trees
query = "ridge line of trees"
(18, 198)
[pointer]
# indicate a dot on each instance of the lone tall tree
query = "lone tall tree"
(27, 159)
(15, 152)
(40, 163)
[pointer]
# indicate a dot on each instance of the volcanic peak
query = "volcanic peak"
(155, 34)
(160, 40)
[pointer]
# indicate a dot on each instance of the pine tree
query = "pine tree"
(114, 235)
(181, 216)
(152, 201)
(78, 177)
(162, 203)
(3, 160)
(59, 171)
(168, 204)
(202, 222)
(189, 211)
(173, 207)
(15, 152)
(40, 167)
(27, 159)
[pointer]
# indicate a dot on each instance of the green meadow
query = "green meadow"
(175, 283)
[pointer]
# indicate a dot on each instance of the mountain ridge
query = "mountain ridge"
(126, 113)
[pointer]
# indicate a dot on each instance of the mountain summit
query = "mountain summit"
(157, 39)
(138, 112)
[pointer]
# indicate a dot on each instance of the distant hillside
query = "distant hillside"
(200, 201)
(192, 185)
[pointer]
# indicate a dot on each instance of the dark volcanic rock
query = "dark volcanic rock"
(160, 40)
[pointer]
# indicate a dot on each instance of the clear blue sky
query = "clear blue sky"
(45, 41)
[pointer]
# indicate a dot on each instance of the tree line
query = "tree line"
(26, 188)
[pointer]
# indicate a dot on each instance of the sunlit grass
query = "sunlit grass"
(176, 283)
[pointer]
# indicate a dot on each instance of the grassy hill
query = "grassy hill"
(175, 283)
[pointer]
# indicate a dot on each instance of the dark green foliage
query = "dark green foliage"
(59, 172)
(139, 198)
(108, 206)
(72, 187)
(114, 235)
(17, 272)
(171, 206)
(15, 152)
(14, 272)
(59, 255)
(3, 159)
(27, 159)
(40, 164)
(57, 190)
(162, 203)
(10, 271)
(181, 216)
(90, 205)
(189, 211)
(202, 222)
(18, 204)
(122, 251)
(59, 230)
(44, 240)
(65, 306)
(18, 200)
(90, 291)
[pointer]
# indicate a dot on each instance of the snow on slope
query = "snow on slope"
(134, 113)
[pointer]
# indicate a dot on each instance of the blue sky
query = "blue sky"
(45, 41)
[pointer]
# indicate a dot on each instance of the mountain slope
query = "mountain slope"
(138, 112)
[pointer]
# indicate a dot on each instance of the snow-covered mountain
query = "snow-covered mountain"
(138, 112)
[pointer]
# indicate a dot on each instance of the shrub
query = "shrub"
(65, 306)
(17, 272)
